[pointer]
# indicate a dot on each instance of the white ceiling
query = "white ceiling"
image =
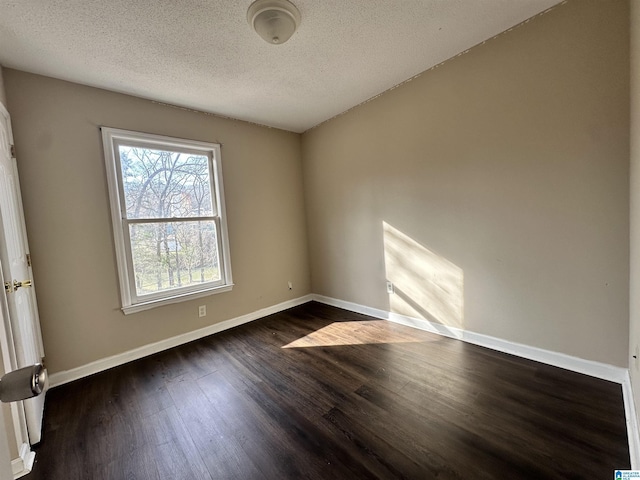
(202, 54)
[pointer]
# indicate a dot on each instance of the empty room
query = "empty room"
(307, 240)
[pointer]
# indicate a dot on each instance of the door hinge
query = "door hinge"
(13, 151)
(29, 259)
(8, 287)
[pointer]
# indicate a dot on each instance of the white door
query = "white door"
(16, 270)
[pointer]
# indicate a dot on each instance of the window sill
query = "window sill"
(139, 307)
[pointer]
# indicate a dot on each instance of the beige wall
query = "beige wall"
(493, 190)
(634, 287)
(66, 206)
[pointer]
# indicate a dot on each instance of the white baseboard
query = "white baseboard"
(568, 362)
(632, 423)
(588, 367)
(60, 378)
(24, 463)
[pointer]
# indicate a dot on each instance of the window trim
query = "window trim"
(131, 302)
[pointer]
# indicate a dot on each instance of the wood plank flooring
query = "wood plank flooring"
(320, 393)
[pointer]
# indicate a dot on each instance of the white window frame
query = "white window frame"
(131, 302)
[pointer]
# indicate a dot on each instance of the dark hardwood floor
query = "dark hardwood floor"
(320, 393)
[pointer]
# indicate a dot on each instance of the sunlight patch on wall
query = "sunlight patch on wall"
(354, 333)
(426, 285)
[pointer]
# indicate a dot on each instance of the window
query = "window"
(169, 225)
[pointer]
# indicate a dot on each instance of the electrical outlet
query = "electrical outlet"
(202, 311)
(290, 286)
(390, 289)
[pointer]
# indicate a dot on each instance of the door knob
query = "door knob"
(24, 383)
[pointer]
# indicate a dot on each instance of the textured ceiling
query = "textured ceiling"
(202, 54)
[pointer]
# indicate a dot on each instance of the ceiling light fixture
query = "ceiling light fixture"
(274, 20)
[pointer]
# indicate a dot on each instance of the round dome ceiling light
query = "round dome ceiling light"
(274, 20)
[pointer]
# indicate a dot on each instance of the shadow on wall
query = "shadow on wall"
(426, 285)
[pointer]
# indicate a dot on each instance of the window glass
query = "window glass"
(162, 184)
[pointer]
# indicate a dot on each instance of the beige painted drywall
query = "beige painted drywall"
(634, 287)
(61, 166)
(493, 189)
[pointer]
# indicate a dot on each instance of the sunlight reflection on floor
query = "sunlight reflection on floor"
(355, 333)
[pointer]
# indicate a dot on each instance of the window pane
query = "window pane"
(173, 255)
(164, 184)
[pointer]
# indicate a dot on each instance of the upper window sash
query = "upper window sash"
(188, 165)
